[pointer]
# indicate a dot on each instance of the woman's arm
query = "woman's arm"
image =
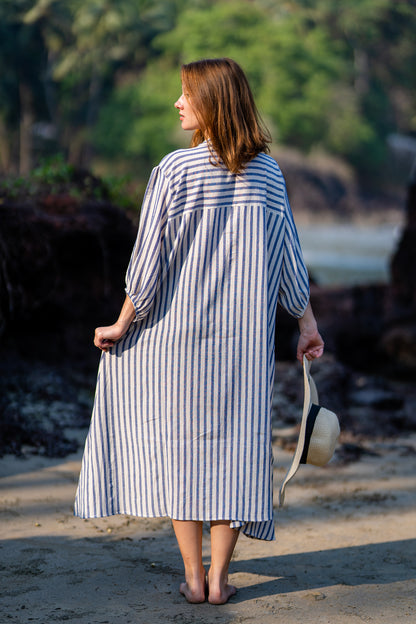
(106, 337)
(310, 342)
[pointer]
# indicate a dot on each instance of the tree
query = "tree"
(59, 61)
(325, 75)
(22, 59)
(291, 68)
(377, 42)
(106, 37)
(104, 73)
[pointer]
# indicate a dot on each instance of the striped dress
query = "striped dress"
(181, 420)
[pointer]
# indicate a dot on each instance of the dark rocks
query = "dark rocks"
(403, 264)
(399, 345)
(369, 407)
(398, 341)
(62, 267)
(373, 327)
(325, 189)
(351, 321)
(40, 406)
(348, 452)
(370, 327)
(376, 398)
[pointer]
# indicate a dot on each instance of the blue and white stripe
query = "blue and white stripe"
(181, 422)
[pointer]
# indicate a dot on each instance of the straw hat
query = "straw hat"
(319, 432)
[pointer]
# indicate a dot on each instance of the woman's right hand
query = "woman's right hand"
(106, 337)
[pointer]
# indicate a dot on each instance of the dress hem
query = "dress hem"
(250, 528)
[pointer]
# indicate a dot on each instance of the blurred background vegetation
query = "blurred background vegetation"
(95, 80)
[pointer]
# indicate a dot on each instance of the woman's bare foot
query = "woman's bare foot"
(194, 590)
(223, 541)
(219, 593)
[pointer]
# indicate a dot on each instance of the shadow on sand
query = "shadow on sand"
(106, 580)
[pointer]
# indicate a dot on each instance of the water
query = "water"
(348, 254)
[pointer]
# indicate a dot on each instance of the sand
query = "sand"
(345, 551)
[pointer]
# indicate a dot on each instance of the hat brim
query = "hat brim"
(318, 435)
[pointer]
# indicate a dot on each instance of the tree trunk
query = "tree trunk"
(91, 116)
(4, 148)
(362, 71)
(26, 123)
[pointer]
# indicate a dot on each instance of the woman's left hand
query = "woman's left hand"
(311, 345)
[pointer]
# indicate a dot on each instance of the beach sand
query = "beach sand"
(345, 550)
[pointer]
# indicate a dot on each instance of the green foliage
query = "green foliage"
(21, 61)
(105, 73)
(137, 123)
(118, 190)
(54, 176)
(53, 172)
(291, 67)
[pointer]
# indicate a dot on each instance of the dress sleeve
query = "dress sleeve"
(143, 272)
(294, 283)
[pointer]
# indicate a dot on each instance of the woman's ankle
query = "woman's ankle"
(219, 590)
(194, 589)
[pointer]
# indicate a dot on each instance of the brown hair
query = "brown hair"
(224, 106)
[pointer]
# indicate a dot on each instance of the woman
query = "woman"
(181, 422)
